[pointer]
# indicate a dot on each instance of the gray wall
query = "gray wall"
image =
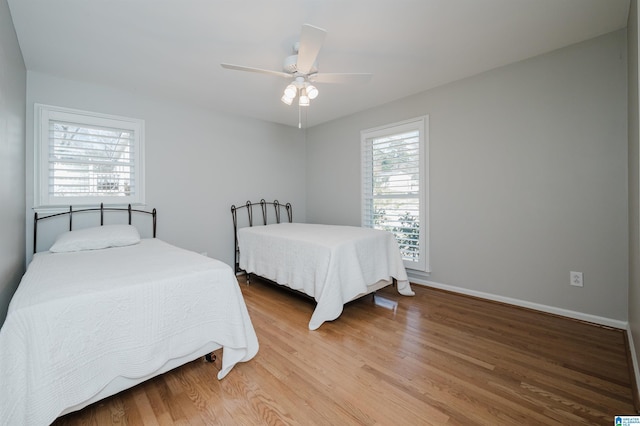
(12, 153)
(528, 172)
(198, 162)
(634, 187)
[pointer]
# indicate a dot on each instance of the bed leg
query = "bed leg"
(248, 278)
(215, 358)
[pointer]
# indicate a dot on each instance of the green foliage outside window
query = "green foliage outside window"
(407, 232)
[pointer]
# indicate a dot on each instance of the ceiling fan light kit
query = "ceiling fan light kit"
(303, 68)
(301, 88)
(286, 100)
(303, 100)
(290, 91)
(312, 91)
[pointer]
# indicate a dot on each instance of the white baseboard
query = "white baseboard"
(609, 322)
(634, 359)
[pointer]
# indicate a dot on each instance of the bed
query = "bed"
(102, 311)
(331, 264)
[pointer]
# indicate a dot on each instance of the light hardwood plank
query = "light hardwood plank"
(436, 358)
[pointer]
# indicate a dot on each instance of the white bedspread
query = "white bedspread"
(80, 320)
(332, 264)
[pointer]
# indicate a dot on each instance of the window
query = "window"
(395, 186)
(85, 158)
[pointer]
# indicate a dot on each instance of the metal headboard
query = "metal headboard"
(101, 209)
(265, 219)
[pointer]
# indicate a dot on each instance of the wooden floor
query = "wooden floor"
(436, 358)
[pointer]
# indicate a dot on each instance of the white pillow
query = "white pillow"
(96, 238)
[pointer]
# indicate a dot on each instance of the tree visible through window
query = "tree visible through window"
(86, 161)
(88, 158)
(394, 186)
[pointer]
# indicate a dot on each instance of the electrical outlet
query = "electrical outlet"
(575, 279)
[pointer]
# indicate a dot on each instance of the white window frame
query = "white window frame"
(43, 114)
(421, 124)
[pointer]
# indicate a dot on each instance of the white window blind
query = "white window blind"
(394, 187)
(88, 158)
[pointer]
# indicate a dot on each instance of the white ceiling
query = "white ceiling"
(173, 48)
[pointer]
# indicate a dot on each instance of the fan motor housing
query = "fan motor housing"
(290, 65)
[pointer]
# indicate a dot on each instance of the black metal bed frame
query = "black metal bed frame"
(263, 206)
(101, 209)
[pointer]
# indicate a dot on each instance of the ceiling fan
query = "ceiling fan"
(302, 69)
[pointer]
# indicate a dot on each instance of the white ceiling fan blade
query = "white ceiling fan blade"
(256, 70)
(311, 40)
(340, 78)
